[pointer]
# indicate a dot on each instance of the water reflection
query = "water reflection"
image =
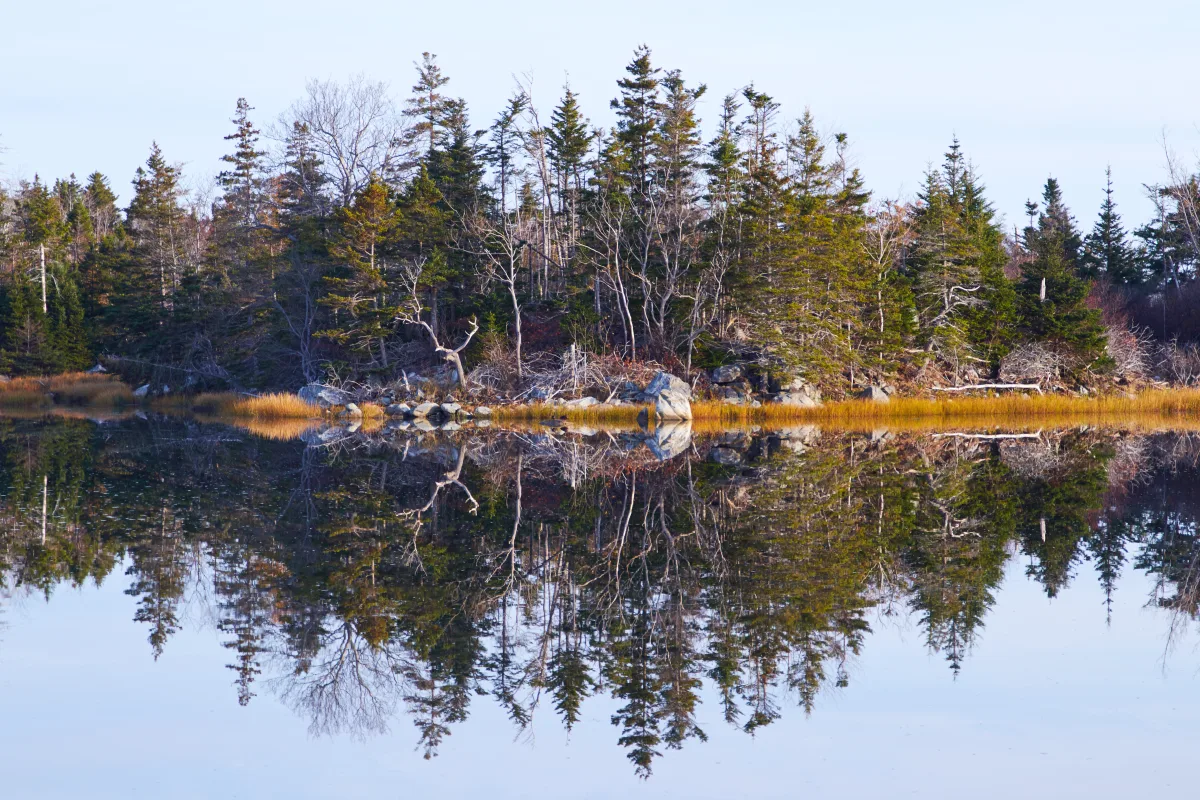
(365, 579)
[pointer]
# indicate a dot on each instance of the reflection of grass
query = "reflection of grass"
(596, 415)
(69, 388)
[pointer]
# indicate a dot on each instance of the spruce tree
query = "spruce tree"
(363, 245)
(1053, 295)
(1106, 250)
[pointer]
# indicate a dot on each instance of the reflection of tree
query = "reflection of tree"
(420, 573)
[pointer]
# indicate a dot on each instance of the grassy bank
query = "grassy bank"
(1178, 404)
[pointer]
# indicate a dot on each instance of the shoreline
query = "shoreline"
(81, 392)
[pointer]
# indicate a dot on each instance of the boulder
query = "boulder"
(670, 439)
(318, 394)
(450, 408)
(671, 405)
(875, 394)
(97, 370)
(398, 410)
(142, 391)
(804, 395)
(665, 381)
(582, 402)
(672, 397)
(730, 396)
(353, 411)
(425, 409)
(728, 373)
(483, 411)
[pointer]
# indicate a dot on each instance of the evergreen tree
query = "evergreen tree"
(1106, 250)
(427, 106)
(358, 291)
(1053, 296)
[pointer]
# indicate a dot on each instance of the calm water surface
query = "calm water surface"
(192, 610)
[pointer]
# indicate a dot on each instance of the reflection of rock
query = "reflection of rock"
(318, 394)
(798, 438)
(728, 373)
(670, 439)
(724, 455)
(327, 434)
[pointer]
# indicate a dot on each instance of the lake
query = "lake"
(189, 609)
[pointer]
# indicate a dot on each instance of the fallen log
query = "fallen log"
(1037, 387)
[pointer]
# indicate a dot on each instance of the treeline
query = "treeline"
(358, 238)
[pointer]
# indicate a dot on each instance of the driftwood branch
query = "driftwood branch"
(1037, 387)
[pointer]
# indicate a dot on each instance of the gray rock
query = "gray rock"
(664, 382)
(425, 409)
(672, 397)
(398, 410)
(450, 408)
(731, 397)
(728, 373)
(582, 402)
(318, 394)
(4, 379)
(672, 405)
(142, 391)
(670, 439)
(806, 397)
(483, 411)
(875, 394)
(352, 410)
(96, 370)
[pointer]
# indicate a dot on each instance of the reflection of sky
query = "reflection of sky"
(1051, 704)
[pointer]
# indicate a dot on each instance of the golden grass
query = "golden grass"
(276, 405)
(1179, 407)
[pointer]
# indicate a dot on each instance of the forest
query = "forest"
(365, 238)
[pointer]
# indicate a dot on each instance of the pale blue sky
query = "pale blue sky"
(1030, 88)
